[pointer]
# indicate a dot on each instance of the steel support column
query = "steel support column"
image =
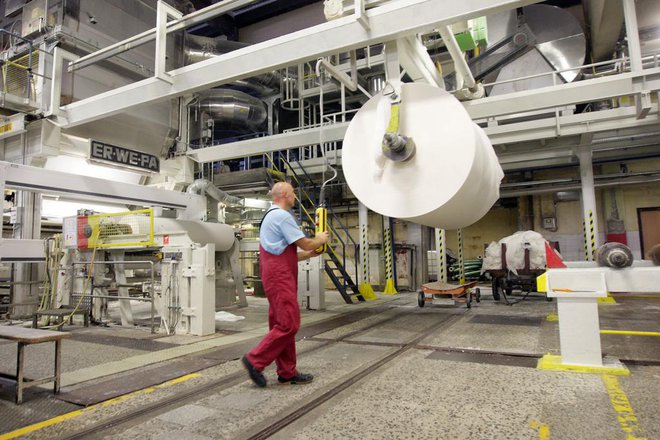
(441, 250)
(388, 250)
(363, 219)
(632, 35)
(643, 98)
(589, 211)
(27, 227)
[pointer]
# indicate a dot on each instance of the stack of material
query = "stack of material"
(472, 269)
(515, 252)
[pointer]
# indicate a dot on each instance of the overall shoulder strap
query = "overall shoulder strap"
(267, 212)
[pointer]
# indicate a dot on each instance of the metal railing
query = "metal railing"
(116, 297)
(7, 64)
(653, 59)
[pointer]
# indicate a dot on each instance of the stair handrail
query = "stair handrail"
(334, 216)
(330, 225)
(332, 212)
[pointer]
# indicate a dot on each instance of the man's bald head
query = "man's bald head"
(283, 195)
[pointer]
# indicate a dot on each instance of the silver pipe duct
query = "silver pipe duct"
(198, 48)
(232, 107)
(627, 179)
(184, 22)
(204, 187)
(463, 73)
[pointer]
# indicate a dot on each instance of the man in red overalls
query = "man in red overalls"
(279, 238)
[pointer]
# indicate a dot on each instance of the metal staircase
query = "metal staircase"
(335, 257)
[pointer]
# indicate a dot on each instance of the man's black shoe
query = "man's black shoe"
(256, 375)
(298, 379)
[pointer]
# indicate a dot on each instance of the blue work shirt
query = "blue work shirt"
(278, 230)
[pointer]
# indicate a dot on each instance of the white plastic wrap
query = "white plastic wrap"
(515, 252)
(492, 257)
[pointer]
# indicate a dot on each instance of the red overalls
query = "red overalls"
(279, 275)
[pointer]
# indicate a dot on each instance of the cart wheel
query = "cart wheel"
(508, 287)
(478, 295)
(421, 299)
(495, 284)
(468, 297)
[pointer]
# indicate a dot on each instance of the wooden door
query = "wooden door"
(649, 228)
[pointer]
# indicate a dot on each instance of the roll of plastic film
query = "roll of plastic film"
(453, 177)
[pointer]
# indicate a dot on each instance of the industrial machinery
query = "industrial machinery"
(207, 106)
(187, 269)
(165, 255)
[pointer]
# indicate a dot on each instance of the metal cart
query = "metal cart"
(504, 281)
(460, 293)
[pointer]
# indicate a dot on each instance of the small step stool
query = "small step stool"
(61, 313)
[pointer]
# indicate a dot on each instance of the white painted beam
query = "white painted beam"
(80, 187)
(284, 141)
(22, 250)
(393, 20)
(570, 125)
(546, 128)
(592, 90)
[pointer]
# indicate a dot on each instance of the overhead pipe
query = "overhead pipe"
(416, 60)
(572, 184)
(205, 187)
(198, 48)
(350, 83)
(464, 77)
(632, 35)
(460, 65)
(184, 22)
(232, 106)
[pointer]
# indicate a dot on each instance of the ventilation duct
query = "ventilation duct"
(198, 48)
(232, 108)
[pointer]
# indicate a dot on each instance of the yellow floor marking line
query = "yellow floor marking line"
(542, 428)
(624, 296)
(553, 362)
(624, 411)
(552, 317)
(628, 332)
(73, 414)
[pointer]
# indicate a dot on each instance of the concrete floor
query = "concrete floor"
(448, 384)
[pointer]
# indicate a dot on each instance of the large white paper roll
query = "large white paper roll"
(220, 234)
(451, 181)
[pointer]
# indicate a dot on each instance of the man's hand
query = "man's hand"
(323, 236)
(310, 244)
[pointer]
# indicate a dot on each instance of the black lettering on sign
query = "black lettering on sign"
(103, 152)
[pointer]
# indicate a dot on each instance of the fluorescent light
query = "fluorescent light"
(58, 209)
(80, 166)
